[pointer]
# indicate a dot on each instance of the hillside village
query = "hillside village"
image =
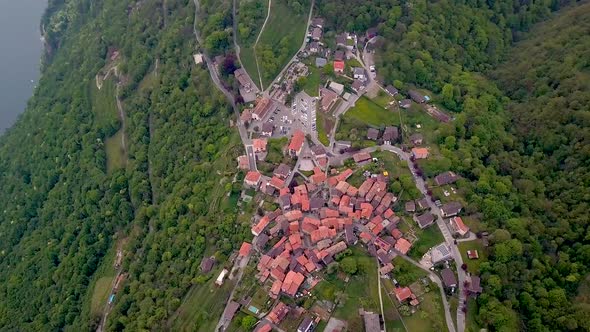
(322, 200)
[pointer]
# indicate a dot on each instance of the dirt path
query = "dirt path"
(380, 296)
(256, 44)
(123, 117)
(114, 70)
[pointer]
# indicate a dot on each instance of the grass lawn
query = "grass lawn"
(473, 264)
(405, 272)
(323, 124)
(202, 306)
(104, 103)
(100, 294)
(368, 112)
(470, 323)
(427, 238)
(312, 82)
(114, 151)
(102, 285)
(392, 164)
(416, 115)
(283, 23)
(430, 316)
(361, 291)
(249, 62)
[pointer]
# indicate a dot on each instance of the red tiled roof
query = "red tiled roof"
(403, 293)
(402, 245)
(318, 178)
(339, 65)
(396, 233)
(304, 203)
(253, 176)
(277, 313)
(262, 107)
(259, 144)
(245, 249)
(293, 215)
(264, 328)
(297, 141)
(388, 213)
(420, 153)
(461, 227)
(345, 174)
(277, 182)
(366, 236)
(292, 282)
(243, 162)
(377, 229)
(258, 228)
(361, 156)
(275, 289)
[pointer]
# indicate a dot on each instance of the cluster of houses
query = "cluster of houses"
(295, 71)
(319, 219)
(389, 136)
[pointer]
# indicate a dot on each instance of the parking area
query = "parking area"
(304, 108)
(300, 115)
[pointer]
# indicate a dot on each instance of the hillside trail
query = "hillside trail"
(256, 43)
(114, 70)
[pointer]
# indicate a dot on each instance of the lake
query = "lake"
(20, 38)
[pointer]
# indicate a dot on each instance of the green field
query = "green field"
(405, 272)
(312, 81)
(427, 238)
(282, 36)
(361, 291)
(365, 114)
(115, 152)
(470, 323)
(100, 294)
(104, 104)
(250, 18)
(248, 59)
(431, 316)
(323, 122)
(473, 264)
(202, 307)
(101, 287)
(370, 113)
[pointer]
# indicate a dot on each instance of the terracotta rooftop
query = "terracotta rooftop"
(297, 141)
(403, 293)
(245, 249)
(402, 245)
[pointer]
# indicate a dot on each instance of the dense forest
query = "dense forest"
(520, 91)
(63, 210)
(526, 157)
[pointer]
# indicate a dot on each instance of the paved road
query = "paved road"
(251, 157)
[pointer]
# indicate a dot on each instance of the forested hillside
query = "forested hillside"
(62, 210)
(527, 159)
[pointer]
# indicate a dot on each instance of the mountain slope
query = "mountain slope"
(62, 210)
